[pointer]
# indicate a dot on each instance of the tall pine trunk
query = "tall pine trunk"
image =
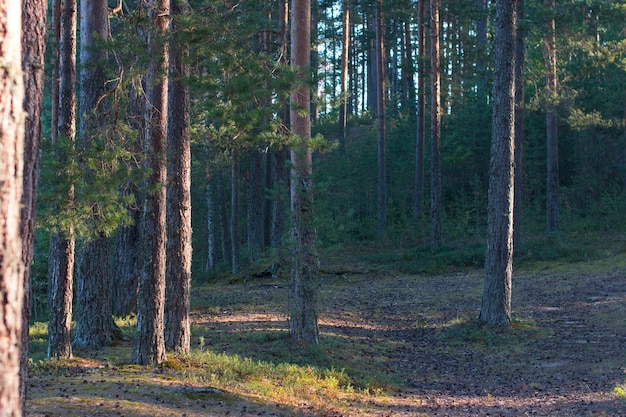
(345, 50)
(11, 171)
(421, 113)
(149, 345)
(496, 302)
(303, 285)
(553, 189)
(520, 53)
(435, 126)
(178, 272)
(381, 119)
(33, 42)
(61, 250)
(94, 324)
(235, 250)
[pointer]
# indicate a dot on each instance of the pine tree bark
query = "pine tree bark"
(255, 205)
(520, 53)
(303, 285)
(178, 272)
(553, 189)
(481, 52)
(381, 119)
(125, 270)
(149, 347)
(420, 140)
(235, 250)
(435, 126)
(11, 171)
(62, 246)
(34, 36)
(94, 324)
(496, 302)
(345, 51)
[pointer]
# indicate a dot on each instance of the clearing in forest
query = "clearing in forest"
(392, 345)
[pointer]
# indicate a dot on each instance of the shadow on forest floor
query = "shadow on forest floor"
(391, 344)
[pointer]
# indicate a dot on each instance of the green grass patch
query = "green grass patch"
(467, 330)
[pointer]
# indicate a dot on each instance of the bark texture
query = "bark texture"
(178, 272)
(94, 324)
(421, 112)
(62, 247)
(435, 126)
(496, 302)
(11, 170)
(93, 302)
(303, 285)
(34, 36)
(381, 119)
(125, 270)
(149, 348)
(520, 53)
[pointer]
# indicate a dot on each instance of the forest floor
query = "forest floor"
(391, 345)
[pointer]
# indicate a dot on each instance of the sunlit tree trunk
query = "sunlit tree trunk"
(304, 283)
(11, 171)
(149, 345)
(61, 252)
(435, 126)
(553, 191)
(178, 272)
(496, 302)
(34, 36)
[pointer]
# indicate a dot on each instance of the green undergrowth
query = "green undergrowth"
(468, 330)
(591, 249)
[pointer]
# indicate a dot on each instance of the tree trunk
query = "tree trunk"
(421, 113)
(520, 52)
(34, 36)
(211, 224)
(345, 50)
(496, 302)
(94, 326)
(279, 163)
(178, 275)
(125, 270)
(255, 205)
(481, 52)
(11, 171)
(303, 286)
(553, 191)
(380, 116)
(235, 250)
(149, 345)
(125, 265)
(435, 126)
(408, 69)
(61, 255)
